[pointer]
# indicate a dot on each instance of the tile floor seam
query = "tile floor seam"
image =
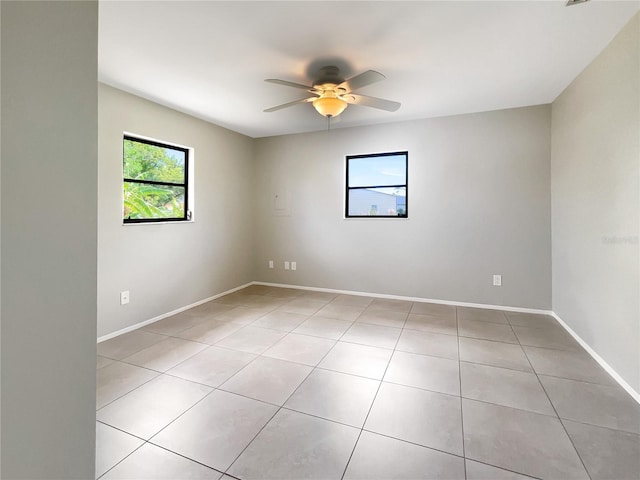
(121, 430)
(291, 409)
(495, 366)
(173, 366)
(430, 355)
(147, 346)
(345, 373)
(364, 344)
(461, 395)
(493, 341)
(425, 389)
(464, 453)
(127, 456)
(579, 381)
(184, 456)
(262, 328)
(293, 361)
(205, 343)
(279, 407)
(257, 356)
(217, 344)
(512, 407)
(247, 397)
(140, 366)
(431, 331)
(505, 469)
(416, 444)
(203, 384)
(180, 415)
(562, 419)
(192, 406)
(133, 389)
(264, 401)
(564, 428)
(310, 335)
(373, 401)
(487, 339)
(380, 381)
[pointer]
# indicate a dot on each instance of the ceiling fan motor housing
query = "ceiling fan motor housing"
(329, 74)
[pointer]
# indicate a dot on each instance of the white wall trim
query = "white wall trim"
(410, 299)
(635, 395)
(168, 314)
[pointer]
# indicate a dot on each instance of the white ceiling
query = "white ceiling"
(210, 58)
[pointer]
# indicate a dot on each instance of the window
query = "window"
(377, 185)
(156, 181)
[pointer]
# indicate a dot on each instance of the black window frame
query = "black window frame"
(187, 212)
(405, 185)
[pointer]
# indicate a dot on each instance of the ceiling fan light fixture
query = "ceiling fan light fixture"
(329, 106)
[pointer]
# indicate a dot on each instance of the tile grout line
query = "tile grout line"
(317, 367)
(373, 401)
(564, 428)
(213, 389)
(175, 376)
(464, 453)
(122, 460)
(611, 429)
(144, 442)
(280, 407)
(490, 403)
(208, 394)
(132, 390)
(148, 441)
(262, 354)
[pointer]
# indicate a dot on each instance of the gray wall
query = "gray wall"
(0, 243)
(478, 201)
(49, 202)
(595, 204)
(169, 266)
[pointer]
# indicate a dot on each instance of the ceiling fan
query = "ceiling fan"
(332, 94)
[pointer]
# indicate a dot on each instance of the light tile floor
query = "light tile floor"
(275, 383)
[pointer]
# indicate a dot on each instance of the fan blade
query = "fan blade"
(381, 103)
(290, 104)
(288, 84)
(362, 80)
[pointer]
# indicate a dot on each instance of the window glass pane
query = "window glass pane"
(377, 171)
(152, 201)
(378, 202)
(150, 162)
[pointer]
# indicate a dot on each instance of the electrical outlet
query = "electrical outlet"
(124, 297)
(286, 265)
(270, 263)
(293, 265)
(497, 280)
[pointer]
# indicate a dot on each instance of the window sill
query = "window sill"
(139, 224)
(395, 219)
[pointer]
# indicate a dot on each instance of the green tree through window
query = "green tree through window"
(155, 181)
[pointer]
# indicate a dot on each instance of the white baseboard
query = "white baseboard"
(599, 359)
(635, 395)
(585, 345)
(409, 299)
(168, 314)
